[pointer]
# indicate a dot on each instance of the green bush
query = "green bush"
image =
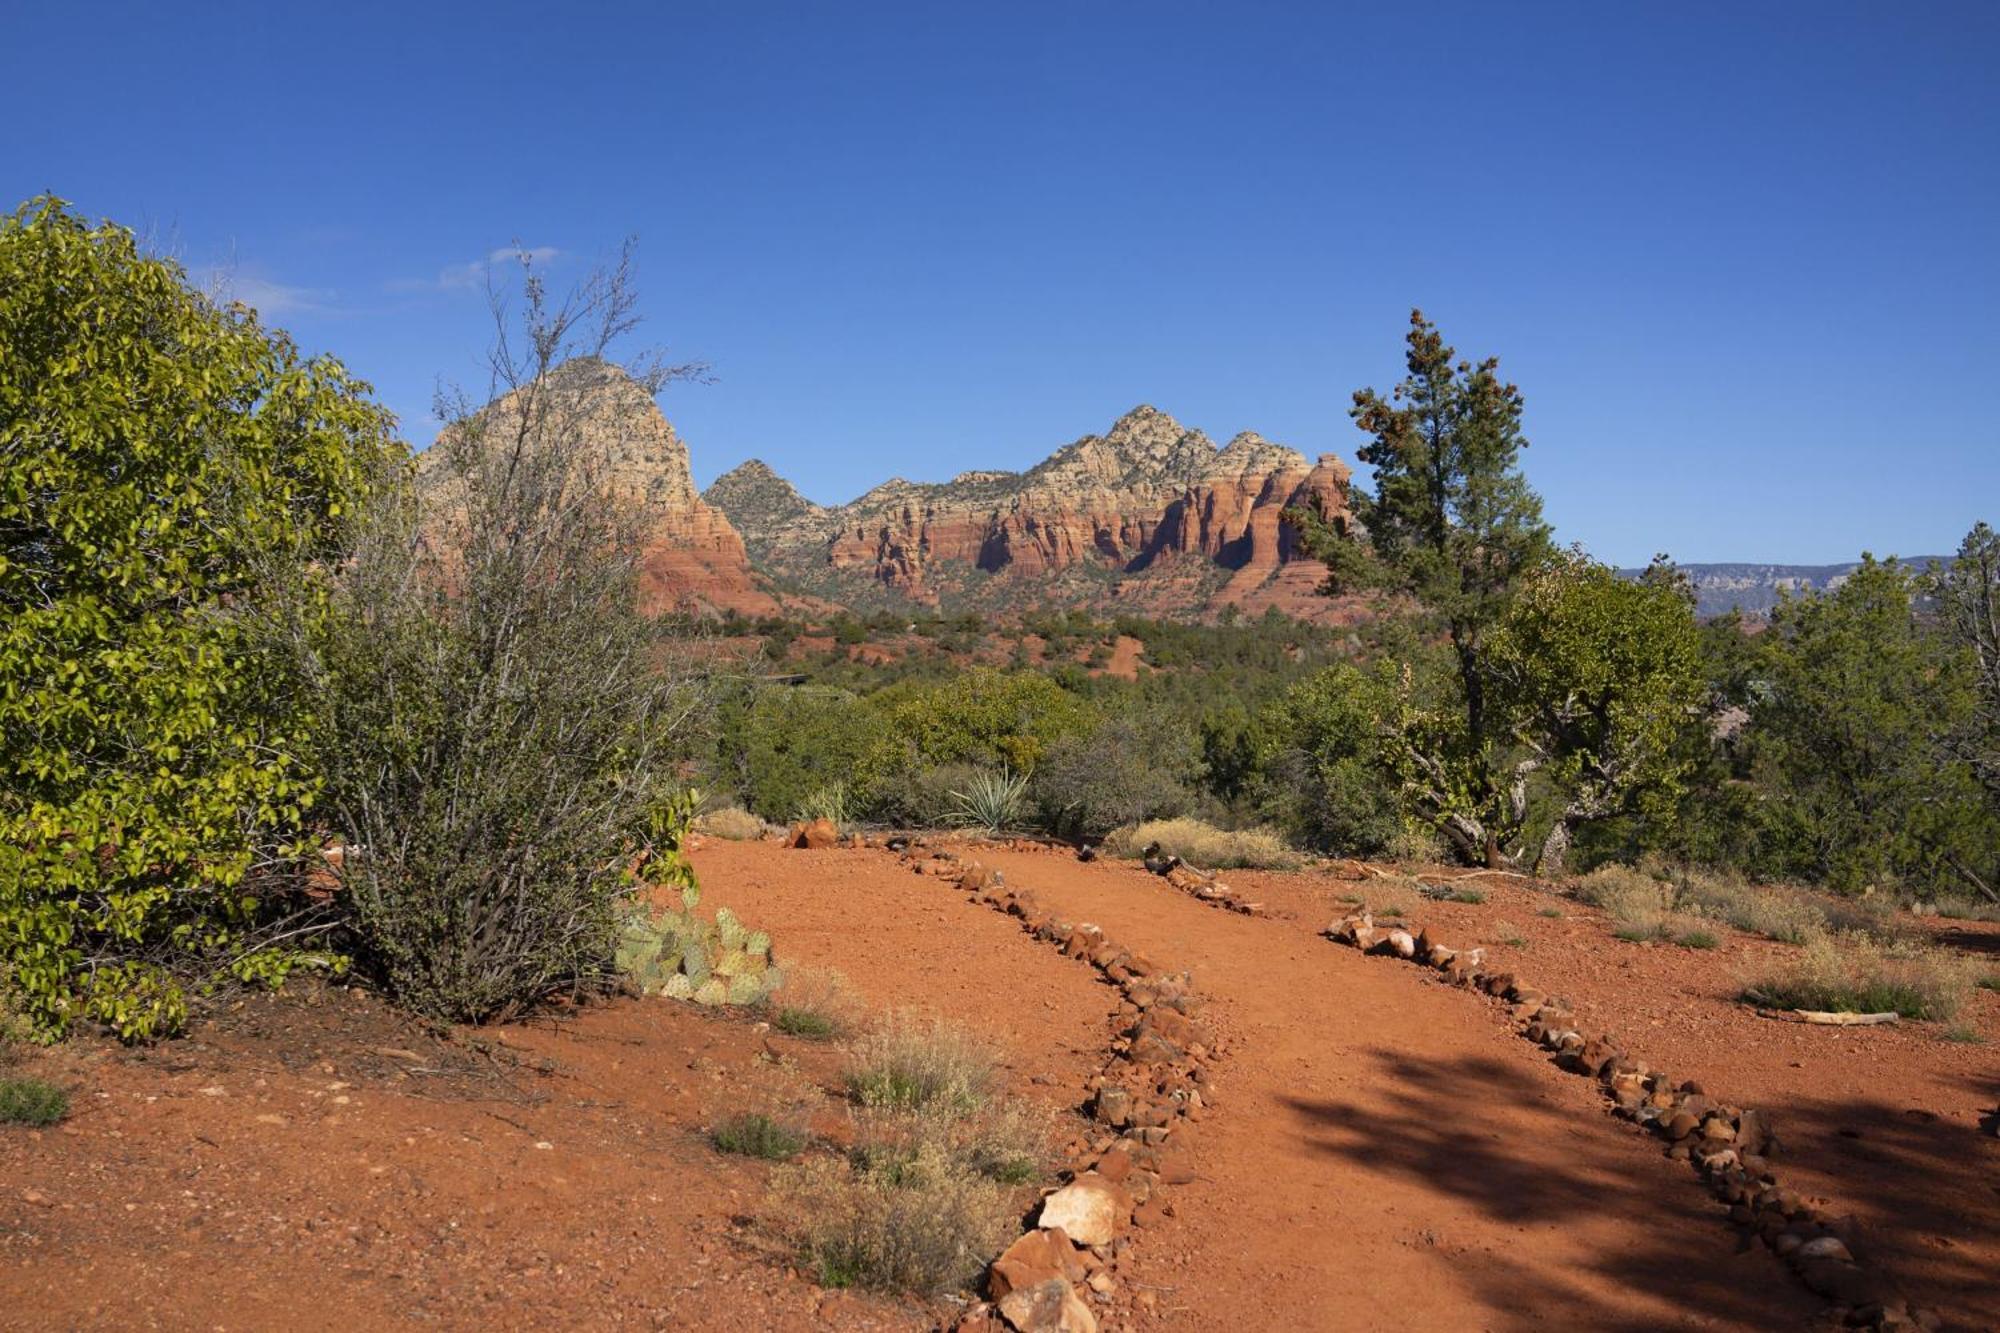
(31, 1102)
(1321, 772)
(793, 747)
(168, 464)
(990, 718)
(1125, 770)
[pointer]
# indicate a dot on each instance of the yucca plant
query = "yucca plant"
(828, 802)
(993, 801)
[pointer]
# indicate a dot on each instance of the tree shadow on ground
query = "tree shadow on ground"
(1924, 1191)
(1488, 1133)
(1923, 1188)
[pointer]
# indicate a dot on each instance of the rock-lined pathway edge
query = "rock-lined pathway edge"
(1729, 1147)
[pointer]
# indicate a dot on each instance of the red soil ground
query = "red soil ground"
(1382, 1152)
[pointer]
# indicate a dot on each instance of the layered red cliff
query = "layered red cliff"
(1147, 514)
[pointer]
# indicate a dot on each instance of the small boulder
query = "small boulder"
(1090, 1209)
(815, 835)
(1050, 1307)
(1036, 1257)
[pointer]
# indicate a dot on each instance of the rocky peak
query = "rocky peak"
(608, 422)
(754, 488)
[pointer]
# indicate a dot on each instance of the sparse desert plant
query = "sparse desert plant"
(1855, 973)
(497, 738)
(732, 823)
(1991, 981)
(756, 1134)
(816, 1003)
(1776, 913)
(994, 801)
(1968, 909)
(916, 1064)
(924, 1223)
(32, 1102)
(1965, 1034)
(1553, 913)
(1467, 896)
(1205, 846)
(1509, 934)
(1697, 939)
(828, 802)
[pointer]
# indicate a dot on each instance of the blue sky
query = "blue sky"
(1741, 258)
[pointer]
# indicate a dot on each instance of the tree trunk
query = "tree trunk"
(1555, 850)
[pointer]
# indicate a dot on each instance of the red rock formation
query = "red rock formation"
(613, 432)
(1148, 503)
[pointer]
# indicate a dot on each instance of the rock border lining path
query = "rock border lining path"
(1729, 1147)
(1144, 1101)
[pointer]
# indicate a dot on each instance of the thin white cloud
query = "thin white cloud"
(473, 273)
(264, 295)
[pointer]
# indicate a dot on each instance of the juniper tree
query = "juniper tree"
(1454, 527)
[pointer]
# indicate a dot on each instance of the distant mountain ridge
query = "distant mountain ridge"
(1754, 589)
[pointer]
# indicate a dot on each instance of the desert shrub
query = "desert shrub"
(830, 802)
(165, 465)
(794, 748)
(1697, 939)
(1642, 906)
(1775, 913)
(1125, 770)
(31, 1101)
(731, 822)
(1320, 766)
(499, 741)
(1967, 909)
(1468, 896)
(1964, 1034)
(816, 1003)
(990, 718)
(1855, 973)
(1205, 846)
(915, 1064)
(991, 801)
(756, 1134)
(924, 1223)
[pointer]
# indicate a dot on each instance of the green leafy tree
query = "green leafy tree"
(1454, 527)
(1602, 679)
(165, 463)
(1324, 762)
(1853, 739)
(1966, 593)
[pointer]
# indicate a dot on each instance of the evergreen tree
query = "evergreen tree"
(1453, 526)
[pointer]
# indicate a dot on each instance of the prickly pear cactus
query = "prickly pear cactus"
(679, 955)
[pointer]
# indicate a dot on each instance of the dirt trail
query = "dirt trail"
(1383, 1153)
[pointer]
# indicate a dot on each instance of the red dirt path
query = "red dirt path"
(1381, 1153)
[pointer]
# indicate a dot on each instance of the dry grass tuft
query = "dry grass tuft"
(1851, 972)
(816, 1003)
(1205, 846)
(924, 1199)
(920, 1223)
(732, 823)
(913, 1064)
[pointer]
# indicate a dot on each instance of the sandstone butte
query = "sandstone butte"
(1150, 517)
